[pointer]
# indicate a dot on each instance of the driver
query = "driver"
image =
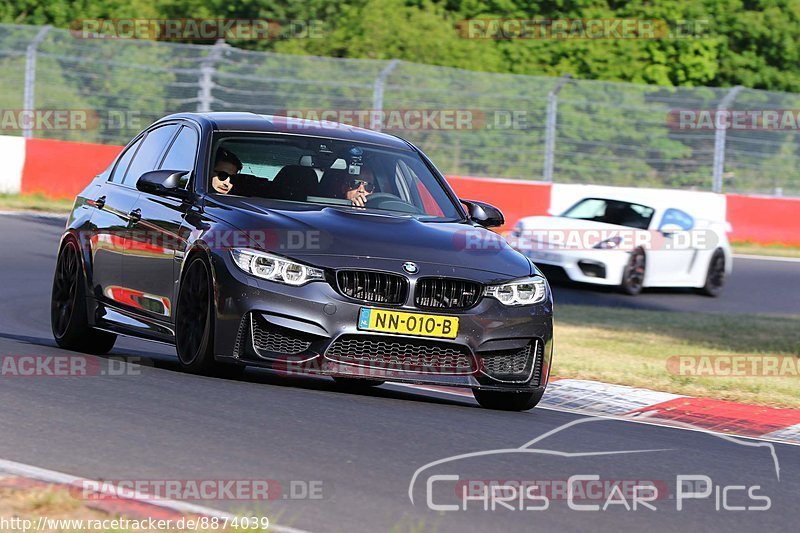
(226, 166)
(358, 187)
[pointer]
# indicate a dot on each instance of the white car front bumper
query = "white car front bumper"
(600, 267)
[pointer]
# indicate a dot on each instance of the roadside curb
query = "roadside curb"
(14, 474)
(719, 416)
(593, 398)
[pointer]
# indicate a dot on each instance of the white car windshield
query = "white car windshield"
(615, 212)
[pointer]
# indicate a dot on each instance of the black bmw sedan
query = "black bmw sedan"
(304, 247)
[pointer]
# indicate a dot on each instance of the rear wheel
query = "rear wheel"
(194, 332)
(715, 277)
(633, 275)
(68, 314)
(507, 401)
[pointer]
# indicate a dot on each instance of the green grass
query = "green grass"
(632, 347)
(34, 202)
(778, 250)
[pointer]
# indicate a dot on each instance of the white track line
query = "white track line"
(51, 476)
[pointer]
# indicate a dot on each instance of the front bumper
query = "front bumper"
(600, 267)
(313, 330)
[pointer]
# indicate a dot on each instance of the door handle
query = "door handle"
(135, 215)
(100, 203)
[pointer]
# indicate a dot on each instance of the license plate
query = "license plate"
(445, 327)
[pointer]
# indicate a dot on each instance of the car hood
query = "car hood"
(337, 237)
(562, 232)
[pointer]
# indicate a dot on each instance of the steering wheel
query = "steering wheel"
(391, 202)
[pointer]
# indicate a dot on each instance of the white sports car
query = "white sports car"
(631, 243)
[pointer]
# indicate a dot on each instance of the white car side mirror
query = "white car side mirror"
(670, 228)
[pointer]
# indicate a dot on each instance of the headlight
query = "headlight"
(267, 266)
(609, 244)
(526, 291)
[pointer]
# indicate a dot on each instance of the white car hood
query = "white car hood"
(564, 233)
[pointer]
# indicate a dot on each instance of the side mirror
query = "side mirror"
(669, 229)
(484, 214)
(164, 183)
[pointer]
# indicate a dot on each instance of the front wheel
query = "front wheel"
(633, 275)
(194, 331)
(507, 401)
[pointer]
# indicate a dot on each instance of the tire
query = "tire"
(633, 275)
(194, 320)
(507, 401)
(69, 318)
(357, 383)
(715, 276)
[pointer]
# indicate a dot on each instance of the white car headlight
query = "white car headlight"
(526, 291)
(609, 244)
(274, 268)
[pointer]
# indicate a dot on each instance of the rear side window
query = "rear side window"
(124, 161)
(146, 158)
(182, 153)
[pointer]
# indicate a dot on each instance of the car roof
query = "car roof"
(253, 122)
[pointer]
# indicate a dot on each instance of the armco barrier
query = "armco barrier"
(60, 169)
(764, 220)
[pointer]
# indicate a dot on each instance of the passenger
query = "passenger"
(226, 166)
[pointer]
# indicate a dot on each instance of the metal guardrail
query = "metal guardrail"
(524, 127)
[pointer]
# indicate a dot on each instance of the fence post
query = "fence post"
(376, 121)
(719, 140)
(28, 99)
(206, 80)
(550, 128)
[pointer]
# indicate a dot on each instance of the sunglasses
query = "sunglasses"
(223, 176)
(355, 184)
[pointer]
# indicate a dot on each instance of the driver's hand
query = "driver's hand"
(358, 198)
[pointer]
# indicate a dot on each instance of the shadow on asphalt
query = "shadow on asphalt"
(252, 375)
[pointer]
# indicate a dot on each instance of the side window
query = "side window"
(124, 161)
(677, 217)
(182, 153)
(149, 152)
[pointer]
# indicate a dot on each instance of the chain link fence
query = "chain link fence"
(519, 127)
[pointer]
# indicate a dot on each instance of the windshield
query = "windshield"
(315, 170)
(611, 212)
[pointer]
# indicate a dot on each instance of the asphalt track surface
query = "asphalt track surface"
(156, 423)
(755, 286)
